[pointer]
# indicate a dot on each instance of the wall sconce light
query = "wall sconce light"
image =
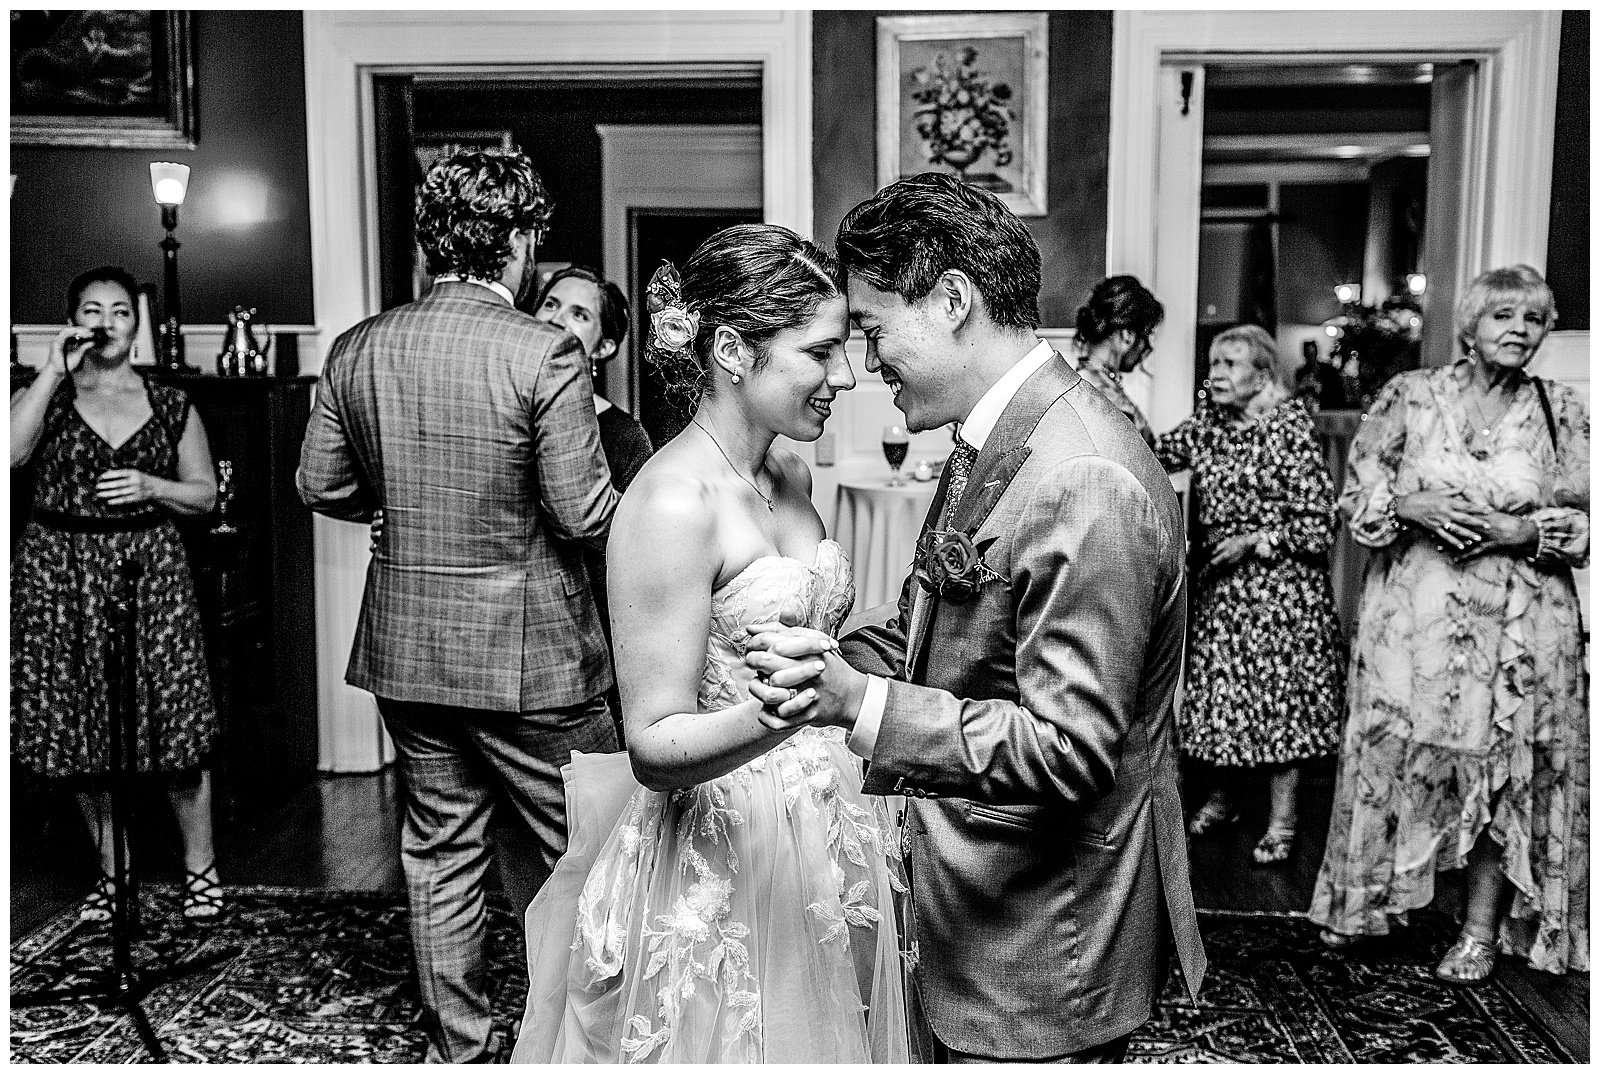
(1347, 293)
(169, 183)
(1416, 283)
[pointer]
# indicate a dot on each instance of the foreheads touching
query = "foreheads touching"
(905, 238)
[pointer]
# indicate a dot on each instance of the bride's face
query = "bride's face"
(792, 391)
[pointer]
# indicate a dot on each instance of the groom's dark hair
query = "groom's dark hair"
(904, 236)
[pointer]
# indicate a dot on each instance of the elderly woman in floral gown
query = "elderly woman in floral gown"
(1467, 743)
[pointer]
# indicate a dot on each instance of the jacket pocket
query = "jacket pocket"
(571, 584)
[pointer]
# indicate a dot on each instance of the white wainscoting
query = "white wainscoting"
(201, 343)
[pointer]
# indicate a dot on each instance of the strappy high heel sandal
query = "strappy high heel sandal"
(203, 897)
(1210, 815)
(1274, 847)
(1336, 941)
(1469, 960)
(97, 904)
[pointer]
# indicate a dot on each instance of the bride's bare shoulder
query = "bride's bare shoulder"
(671, 490)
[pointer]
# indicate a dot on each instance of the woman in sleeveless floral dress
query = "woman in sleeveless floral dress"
(115, 458)
(738, 907)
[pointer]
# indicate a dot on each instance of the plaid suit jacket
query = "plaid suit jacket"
(472, 426)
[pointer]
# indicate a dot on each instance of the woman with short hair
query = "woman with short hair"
(1467, 744)
(117, 458)
(1265, 668)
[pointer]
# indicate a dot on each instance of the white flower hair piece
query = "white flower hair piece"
(674, 327)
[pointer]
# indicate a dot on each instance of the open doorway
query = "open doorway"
(1313, 204)
(560, 118)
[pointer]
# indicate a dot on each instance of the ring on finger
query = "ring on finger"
(793, 693)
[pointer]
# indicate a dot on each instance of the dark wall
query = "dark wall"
(1567, 267)
(555, 126)
(245, 226)
(1072, 238)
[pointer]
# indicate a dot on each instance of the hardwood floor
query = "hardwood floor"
(344, 832)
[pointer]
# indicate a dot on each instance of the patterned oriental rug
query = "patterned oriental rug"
(326, 977)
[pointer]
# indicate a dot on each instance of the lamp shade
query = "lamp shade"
(1347, 292)
(1416, 283)
(169, 182)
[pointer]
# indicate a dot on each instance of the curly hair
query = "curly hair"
(1519, 283)
(1115, 304)
(757, 279)
(470, 204)
(907, 234)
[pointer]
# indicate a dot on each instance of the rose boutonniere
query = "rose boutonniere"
(949, 565)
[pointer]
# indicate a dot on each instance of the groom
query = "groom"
(1022, 698)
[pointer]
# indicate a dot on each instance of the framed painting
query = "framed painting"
(118, 79)
(966, 94)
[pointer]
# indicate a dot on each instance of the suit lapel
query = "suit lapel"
(920, 598)
(1002, 456)
(1007, 447)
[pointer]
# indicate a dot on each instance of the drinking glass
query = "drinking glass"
(895, 445)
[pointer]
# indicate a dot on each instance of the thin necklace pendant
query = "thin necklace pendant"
(771, 507)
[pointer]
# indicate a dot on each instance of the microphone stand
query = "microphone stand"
(125, 984)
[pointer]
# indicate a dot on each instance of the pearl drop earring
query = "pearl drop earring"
(736, 378)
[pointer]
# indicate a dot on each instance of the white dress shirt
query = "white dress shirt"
(494, 285)
(974, 431)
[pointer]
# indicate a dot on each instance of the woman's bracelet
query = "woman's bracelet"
(1390, 520)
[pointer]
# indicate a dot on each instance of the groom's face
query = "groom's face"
(909, 345)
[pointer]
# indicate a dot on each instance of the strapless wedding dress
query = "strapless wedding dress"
(745, 920)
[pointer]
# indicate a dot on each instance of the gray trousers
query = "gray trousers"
(456, 764)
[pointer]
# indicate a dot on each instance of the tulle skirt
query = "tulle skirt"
(746, 920)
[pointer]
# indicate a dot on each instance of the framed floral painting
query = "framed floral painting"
(966, 94)
(121, 79)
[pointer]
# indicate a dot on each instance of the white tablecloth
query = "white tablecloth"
(878, 525)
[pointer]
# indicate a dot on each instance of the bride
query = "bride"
(737, 907)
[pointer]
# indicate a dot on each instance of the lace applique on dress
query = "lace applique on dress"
(716, 923)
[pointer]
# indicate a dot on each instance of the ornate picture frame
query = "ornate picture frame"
(108, 79)
(967, 94)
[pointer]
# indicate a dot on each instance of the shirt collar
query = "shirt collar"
(981, 422)
(494, 285)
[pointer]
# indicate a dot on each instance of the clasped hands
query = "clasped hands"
(800, 678)
(1467, 528)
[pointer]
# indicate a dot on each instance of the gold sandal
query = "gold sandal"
(1468, 961)
(1274, 847)
(1209, 816)
(1336, 941)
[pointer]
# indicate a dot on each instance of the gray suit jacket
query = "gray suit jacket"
(1032, 727)
(472, 425)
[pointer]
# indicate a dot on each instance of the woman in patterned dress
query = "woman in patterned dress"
(1467, 743)
(115, 457)
(1264, 684)
(1112, 336)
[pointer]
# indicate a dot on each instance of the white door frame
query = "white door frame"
(342, 51)
(662, 166)
(1509, 213)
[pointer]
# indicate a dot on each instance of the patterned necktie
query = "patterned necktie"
(960, 466)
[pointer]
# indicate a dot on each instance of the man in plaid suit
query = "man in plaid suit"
(471, 426)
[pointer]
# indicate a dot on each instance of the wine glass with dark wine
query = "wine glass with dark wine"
(895, 445)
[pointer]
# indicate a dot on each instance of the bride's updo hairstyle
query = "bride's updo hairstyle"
(757, 279)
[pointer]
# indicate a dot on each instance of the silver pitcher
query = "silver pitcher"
(241, 355)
